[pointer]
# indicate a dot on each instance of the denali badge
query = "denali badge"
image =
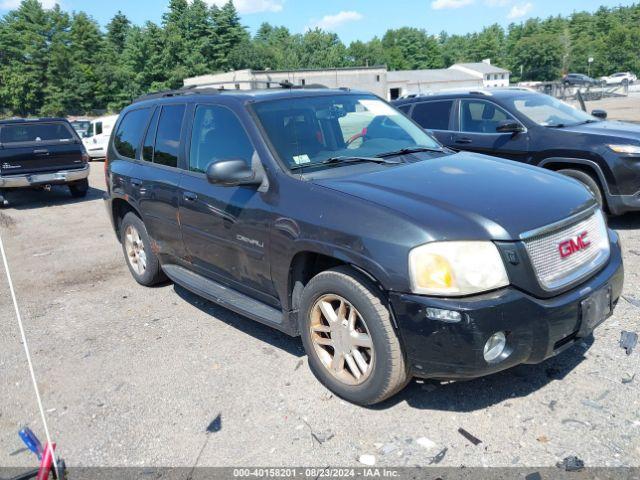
(573, 245)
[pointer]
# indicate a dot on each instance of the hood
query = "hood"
(625, 130)
(469, 196)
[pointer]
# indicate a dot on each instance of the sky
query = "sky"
(351, 19)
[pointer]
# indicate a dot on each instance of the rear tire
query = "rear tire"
(143, 263)
(79, 189)
(588, 181)
(371, 347)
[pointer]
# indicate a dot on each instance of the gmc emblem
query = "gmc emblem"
(573, 245)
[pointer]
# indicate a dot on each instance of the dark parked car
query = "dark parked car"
(539, 130)
(330, 215)
(579, 79)
(40, 153)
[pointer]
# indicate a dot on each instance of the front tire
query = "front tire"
(588, 181)
(143, 263)
(348, 335)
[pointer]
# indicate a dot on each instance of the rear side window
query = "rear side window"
(150, 139)
(129, 135)
(433, 115)
(405, 108)
(35, 133)
(217, 135)
(168, 135)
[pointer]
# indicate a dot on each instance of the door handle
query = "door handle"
(136, 182)
(190, 196)
(463, 140)
(41, 151)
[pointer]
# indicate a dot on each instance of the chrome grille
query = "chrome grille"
(544, 249)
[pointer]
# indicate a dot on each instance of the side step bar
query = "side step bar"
(227, 297)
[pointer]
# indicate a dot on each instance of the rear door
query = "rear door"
(39, 147)
(436, 116)
(154, 177)
(225, 229)
(478, 120)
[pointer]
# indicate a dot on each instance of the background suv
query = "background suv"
(330, 215)
(540, 130)
(579, 79)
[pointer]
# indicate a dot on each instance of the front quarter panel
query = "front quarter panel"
(311, 218)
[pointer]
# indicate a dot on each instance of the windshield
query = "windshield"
(550, 112)
(314, 129)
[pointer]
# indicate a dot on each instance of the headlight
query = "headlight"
(456, 268)
(633, 149)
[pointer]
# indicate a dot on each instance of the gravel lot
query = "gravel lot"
(133, 376)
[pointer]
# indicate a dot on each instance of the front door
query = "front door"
(478, 121)
(225, 229)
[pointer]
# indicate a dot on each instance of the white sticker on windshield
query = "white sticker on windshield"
(301, 159)
(378, 108)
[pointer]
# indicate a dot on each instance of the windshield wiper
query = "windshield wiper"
(344, 160)
(557, 125)
(406, 151)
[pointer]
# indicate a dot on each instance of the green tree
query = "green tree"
(410, 49)
(229, 33)
(539, 55)
(117, 31)
(24, 58)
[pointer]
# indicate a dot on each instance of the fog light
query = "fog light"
(449, 316)
(495, 346)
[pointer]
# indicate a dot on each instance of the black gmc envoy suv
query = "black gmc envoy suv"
(330, 215)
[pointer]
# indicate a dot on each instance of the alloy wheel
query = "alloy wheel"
(134, 247)
(341, 339)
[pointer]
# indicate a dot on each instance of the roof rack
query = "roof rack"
(209, 89)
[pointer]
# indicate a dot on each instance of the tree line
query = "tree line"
(57, 63)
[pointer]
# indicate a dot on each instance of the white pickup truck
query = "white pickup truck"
(97, 137)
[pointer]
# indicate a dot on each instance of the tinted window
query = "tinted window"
(129, 135)
(308, 131)
(404, 108)
(168, 135)
(477, 116)
(433, 115)
(99, 128)
(150, 138)
(217, 135)
(38, 132)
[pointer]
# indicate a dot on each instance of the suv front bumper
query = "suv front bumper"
(536, 329)
(52, 178)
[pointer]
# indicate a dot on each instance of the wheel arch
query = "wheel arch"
(307, 263)
(589, 167)
(119, 208)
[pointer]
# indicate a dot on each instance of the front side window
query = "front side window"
(217, 135)
(478, 116)
(311, 130)
(98, 128)
(548, 111)
(129, 135)
(433, 115)
(35, 133)
(168, 135)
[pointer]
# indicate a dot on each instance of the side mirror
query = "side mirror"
(509, 126)
(601, 114)
(231, 173)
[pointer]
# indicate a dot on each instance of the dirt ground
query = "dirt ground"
(619, 108)
(133, 376)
